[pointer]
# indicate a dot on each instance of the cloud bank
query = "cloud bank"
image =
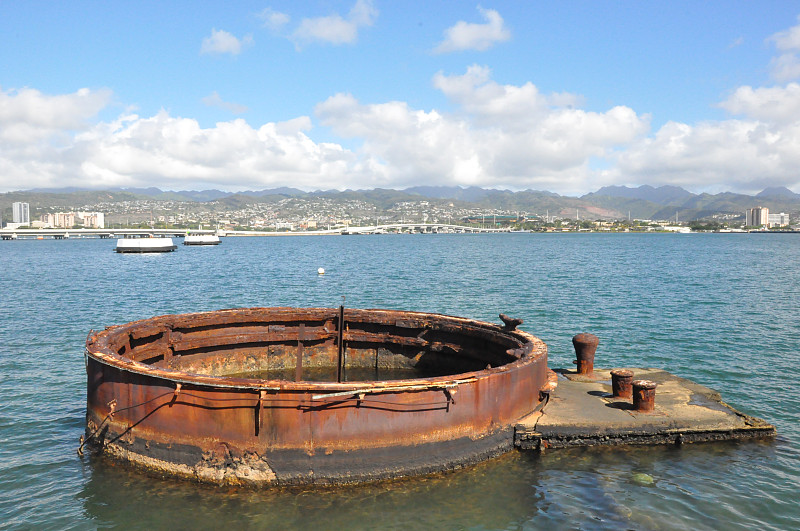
(497, 135)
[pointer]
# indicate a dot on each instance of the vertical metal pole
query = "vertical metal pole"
(298, 368)
(340, 357)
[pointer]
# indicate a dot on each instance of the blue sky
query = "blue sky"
(560, 96)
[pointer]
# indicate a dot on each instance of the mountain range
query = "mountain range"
(609, 202)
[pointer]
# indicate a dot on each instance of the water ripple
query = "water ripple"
(691, 305)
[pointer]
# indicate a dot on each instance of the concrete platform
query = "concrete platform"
(581, 412)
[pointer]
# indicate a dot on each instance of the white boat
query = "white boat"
(201, 239)
(145, 245)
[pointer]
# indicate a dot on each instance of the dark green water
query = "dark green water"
(723, 310)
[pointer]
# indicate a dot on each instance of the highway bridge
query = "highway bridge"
(59, 234)
(426, 228)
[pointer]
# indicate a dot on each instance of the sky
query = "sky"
(359, 94)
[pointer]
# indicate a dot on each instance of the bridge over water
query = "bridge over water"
(426, 228)
(59, 234)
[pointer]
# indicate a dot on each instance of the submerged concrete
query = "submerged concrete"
(582, 412)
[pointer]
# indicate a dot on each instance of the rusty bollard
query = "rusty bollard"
(644, 395)
(585, 346)
(621, 380)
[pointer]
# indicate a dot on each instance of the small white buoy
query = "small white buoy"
(321, 271)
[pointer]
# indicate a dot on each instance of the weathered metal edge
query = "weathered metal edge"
(538, 441)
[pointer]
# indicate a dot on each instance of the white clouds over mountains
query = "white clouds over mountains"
(758, 147)
(545, 146)
(161, 150)
(505, 135)
(496, 134)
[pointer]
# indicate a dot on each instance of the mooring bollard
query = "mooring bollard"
(644, 395)
(585, 346)
(621, 380)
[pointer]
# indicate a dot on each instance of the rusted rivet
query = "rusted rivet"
(585, 346)
(644, 395)
(621, 380)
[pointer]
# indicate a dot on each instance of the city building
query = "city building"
(20, 213)
(778, 220)
(308, 224)
(67, 220)
(757, 217)
(59, 220)
(92, 220)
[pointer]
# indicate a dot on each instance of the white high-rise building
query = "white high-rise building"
(779, 220)
(20, 213)
(756, 217)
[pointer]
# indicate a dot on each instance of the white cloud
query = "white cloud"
(505, 136)
(214, 100)
(273, 20)
(759, 147)
(334, 29)
(787, 40)
(736, 154)
(470, 36)
(491, 103)
(28, 115)
(178, 153)
(498, 135)
(55, 141)
(786, 66)
(402, 146)
(769, 104)
(220, 41)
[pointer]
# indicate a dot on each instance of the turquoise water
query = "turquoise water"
(720, 309)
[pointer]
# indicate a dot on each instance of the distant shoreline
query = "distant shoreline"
(62, 234)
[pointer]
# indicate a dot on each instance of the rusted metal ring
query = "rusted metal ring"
(188, 408)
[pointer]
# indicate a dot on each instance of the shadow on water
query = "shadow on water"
(493, 495)
(574, 488)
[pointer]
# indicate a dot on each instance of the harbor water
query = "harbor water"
(720, 309)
